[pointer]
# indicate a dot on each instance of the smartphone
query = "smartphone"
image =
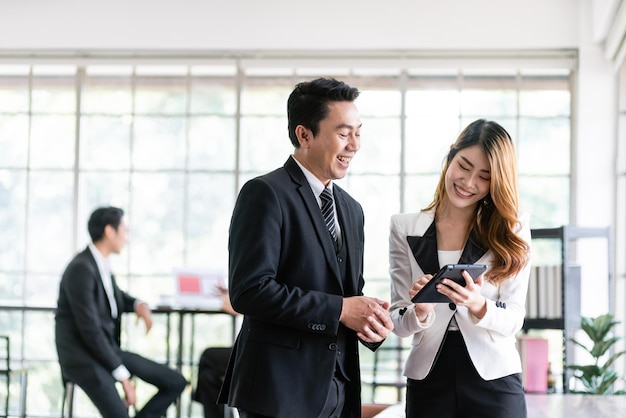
(429, 292)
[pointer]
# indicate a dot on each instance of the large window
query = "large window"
(173, 143)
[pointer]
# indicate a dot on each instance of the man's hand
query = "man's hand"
(130, 397)
(369, 317)
(226, 305)
(143, 311)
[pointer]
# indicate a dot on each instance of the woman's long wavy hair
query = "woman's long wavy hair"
(496, 222)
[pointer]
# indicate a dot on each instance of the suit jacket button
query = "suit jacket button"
(332, 346)
(339, 260)
(452, 306)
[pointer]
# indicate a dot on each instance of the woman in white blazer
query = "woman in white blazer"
(463, 361)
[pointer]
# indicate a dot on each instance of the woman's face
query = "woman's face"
(468, 177)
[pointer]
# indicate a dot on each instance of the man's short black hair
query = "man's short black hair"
(102, 217)
(308, 103)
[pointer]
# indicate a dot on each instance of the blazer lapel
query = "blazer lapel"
(472, 251)
(424, 248)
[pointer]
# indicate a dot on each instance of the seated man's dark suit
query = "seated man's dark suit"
(88, 343)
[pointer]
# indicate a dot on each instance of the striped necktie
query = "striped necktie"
(328, 211)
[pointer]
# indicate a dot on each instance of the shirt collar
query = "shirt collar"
(102, 261)
(316, 185)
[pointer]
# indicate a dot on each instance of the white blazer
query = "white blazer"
(491, 340)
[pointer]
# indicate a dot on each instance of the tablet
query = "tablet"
(429, 292)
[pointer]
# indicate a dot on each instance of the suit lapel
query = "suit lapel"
(315, 214)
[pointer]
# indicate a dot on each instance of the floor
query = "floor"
(575, 406)
(546, 406)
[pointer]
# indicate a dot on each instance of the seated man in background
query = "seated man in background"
(87, 328)
(211, 370)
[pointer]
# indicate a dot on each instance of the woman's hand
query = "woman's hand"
(468, 296)
(421, 309)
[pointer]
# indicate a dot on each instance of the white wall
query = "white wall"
(288, 24)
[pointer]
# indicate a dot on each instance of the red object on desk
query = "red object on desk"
(189, 284)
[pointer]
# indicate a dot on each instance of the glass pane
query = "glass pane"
(428, 142)
(148, 288)
(105, 142)
(44, 382)
(380, 198)
(380, 147)
(265, 143)
(266, 96)
(13, 94)
(11, 325)
(378, 103)
(211, 202)
(107, 95)
(377, 287)
(419, 192)
(166, 95)
(213, 95)
(489, 95)
(54, 94)
(212, 143)
(13, 140)
(545, 251)
(156, 237)
(544, 146)
(42, 290)
(38, 334)
(12, 219)
(545, 96)
(49, 221)
(159, 143)
(438, 103)
(11, 290)
(546, 199)
(52, 141)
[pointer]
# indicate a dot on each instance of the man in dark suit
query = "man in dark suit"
(87, 330)
(297, 276)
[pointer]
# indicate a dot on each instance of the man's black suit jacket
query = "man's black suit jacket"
(284, 277)
(85, 332)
